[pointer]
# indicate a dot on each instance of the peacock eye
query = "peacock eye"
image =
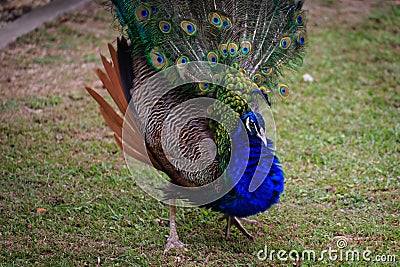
(267, 70)
(158, 59)
(216, 78)
(215, 20)
(189, 27)
(283, 90)
(245, 48)
(285, 43)
(226, 24)
(212, 58)
(300, 19)
(142, 13)
(182, 61)
(232, 49)
(301, 39)
(204, 86)
(164, 26)
(223, 50)
(257, 78)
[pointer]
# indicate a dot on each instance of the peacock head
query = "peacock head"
(255, 126)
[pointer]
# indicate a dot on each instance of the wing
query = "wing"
(143, 141)
(116, 85)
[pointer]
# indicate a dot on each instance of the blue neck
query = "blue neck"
(257, 174)
(251, 149)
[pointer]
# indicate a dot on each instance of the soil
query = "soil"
(344, 12)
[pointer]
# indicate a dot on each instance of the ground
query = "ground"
(67, 198)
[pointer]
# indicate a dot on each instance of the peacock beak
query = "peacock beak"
(261, 134)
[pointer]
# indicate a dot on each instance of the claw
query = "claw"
(230, 220)
(174, 242)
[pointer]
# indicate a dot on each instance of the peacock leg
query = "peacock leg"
(173, 239)
(230, 220)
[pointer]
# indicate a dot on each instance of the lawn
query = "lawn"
(67, 198)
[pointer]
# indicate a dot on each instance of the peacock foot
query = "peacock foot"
(174, 242)
(248, 221)
(231, 220)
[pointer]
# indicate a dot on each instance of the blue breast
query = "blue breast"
(262, 165)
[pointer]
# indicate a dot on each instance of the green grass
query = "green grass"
(338, 141)
(39, 103)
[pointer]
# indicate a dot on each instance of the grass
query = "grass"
(67, 199)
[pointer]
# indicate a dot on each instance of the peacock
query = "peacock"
(224, 58)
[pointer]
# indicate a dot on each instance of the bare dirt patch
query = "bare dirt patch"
(45, 72)
(345, 12)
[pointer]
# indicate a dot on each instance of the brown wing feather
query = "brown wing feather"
(134, 145)
(149, 149)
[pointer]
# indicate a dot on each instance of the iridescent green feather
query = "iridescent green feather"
(169, 30)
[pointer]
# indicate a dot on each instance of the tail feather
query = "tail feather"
(133, 141)
(265, 38)
(125, 66)
(115, 89)
(116, 123)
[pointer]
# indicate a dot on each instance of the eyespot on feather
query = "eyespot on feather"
(285, 43)
(223, 48)
(245, 48)
(215, 19)
(266, 70)
(142, 13)
(182, 61)
(158, 59)
(204, 86)
(154, 9)
(189, 27)
(300, 19)
(301, 39)
(232, 49)
(212, 58)
(256, 78)
(226, 23)
(283, 90)
(164, 26)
